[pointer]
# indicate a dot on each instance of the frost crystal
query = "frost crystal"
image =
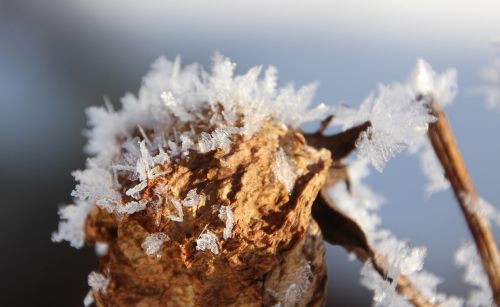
(96, 185)
(467, 258)
(431, 168)
(132, 207)
(192, 199)
(398, 118)
(361, 205)
(425, 81)
(71, 225)
(219, 138)
(207, 240)
(180, 213)
(98, 282)
(298, 285)
(284, 170)
(482, 208)
(152, 244)
(226, 214)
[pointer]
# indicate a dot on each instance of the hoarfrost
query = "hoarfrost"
(180, 213)
(467, 258)
(284, 170)
(226, 214)
(432, 169)
(153, 242)
(132, 207)
(207, 241)
(442, 87)
(96, 185)
(192, 199)
(398, 119)
(71, 225)
(482, 208)
(98, 281)
(361, 204)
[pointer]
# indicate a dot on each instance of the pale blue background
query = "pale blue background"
(58, 57)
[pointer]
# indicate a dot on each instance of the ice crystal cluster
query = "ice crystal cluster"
(398, 115)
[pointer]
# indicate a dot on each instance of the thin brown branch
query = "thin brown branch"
(339, 229)
(446, 149)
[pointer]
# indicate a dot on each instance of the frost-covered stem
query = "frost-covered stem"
(355, 242)
(446, 149)
(404, 286)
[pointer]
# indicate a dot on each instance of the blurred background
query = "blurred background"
(58, 57)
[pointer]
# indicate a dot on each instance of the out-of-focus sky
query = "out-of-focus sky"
(58, 57)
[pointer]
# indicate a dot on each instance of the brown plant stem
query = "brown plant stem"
(446, 149)
(346, 233)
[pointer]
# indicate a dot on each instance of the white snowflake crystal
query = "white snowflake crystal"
(98, 281)
(71, 225)
(207, 241)
(226, 214)
(284, 170)
(153, 242)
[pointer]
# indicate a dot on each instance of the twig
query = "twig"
(446, 149)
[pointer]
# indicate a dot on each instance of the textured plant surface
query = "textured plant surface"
(201, 190)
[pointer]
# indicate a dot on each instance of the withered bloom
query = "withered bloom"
(201, 188)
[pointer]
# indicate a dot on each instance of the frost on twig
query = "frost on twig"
(482, 208)
(152, 244)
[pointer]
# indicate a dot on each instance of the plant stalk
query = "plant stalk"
(446, 149)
